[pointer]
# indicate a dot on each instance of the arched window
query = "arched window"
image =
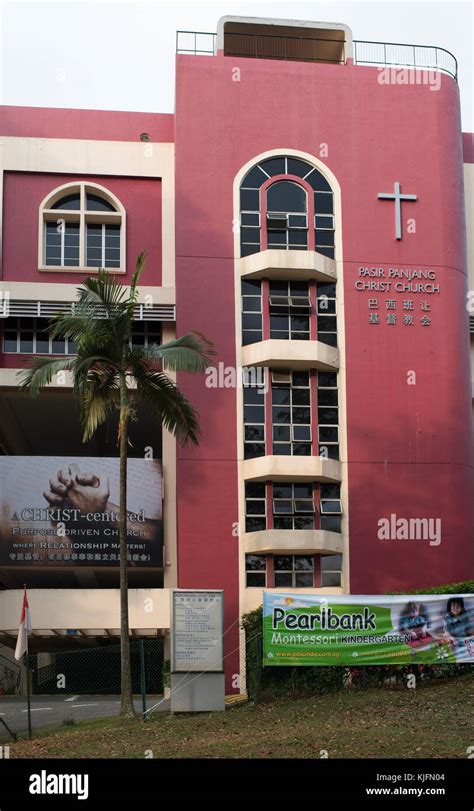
(82, 228)
(293, 212)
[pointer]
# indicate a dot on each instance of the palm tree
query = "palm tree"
(104, 370)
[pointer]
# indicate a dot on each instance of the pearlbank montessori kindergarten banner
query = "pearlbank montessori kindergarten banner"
(63, 511)
(373, 630)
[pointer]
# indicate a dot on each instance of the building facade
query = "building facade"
(308, 207)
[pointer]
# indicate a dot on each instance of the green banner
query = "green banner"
(354, 630)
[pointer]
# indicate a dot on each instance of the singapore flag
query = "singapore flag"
(24, 630)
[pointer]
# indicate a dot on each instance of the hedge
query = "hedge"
(267, 683)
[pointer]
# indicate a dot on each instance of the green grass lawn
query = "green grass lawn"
(434, 721)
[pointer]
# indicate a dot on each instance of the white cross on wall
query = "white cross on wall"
(397, 197)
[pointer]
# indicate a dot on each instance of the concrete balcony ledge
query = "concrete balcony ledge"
(292, 469)
(306, 541)
(275, 264)
(93, 612)
(280, 354)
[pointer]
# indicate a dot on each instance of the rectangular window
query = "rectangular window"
(330, 506)
(146, 333)
(254, 420)
(331, 566)
(251, 312)
(294, 571)
(102, 245)
(291, 415)
(290, 310)
(293, 506)
(249, 221)
(32, 336)
(61, 244)
(255, 507)
(326, 313)
(328, 415)
(255, 571)
(287, 231)
(324, 223)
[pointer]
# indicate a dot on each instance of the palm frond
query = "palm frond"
(139, 265)
(163, 399)
(40, 373)
(190, 353)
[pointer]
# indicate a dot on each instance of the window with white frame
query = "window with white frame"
(254, 420)
(290, 308)
(326, 313)
(293, 571)
(82, 226)
(331, 566)
(293, 506)
(32, 336)
(255, 507)
(286, 218)
(251, 312)
(255, 571)
(291, 413)
(330, 506)
(328, 415)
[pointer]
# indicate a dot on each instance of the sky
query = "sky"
(120, 55)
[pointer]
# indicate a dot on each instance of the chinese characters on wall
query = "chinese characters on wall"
(398, 296)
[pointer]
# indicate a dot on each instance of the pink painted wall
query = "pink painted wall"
(23, 194)
(94, 125)
(410, 448)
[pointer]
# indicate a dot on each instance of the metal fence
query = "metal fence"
(379, 54)
(400, 55)
(96, 671)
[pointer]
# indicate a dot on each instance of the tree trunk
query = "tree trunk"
(126, 708)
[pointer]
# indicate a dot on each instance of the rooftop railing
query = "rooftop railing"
(266, 46)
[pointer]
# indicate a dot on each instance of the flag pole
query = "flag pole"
(28, 695)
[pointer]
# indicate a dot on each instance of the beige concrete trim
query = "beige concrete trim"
(9, 380)
(291, 469)
(280, 354)
(305, 541)
(85, 271)
(114, 158)
(275, 21)
(298, 265)
(252, 598)
(85, 609)
(45, 291)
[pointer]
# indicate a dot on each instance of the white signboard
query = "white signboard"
(197, 631)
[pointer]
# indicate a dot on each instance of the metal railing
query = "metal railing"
(379, 54)
(403, 55)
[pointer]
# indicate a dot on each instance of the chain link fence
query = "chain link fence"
(96, 671)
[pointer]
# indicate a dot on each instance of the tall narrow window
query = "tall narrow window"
(254, 421)
(251, 312)
(291, 413)
(287, 216)
(328, 415)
